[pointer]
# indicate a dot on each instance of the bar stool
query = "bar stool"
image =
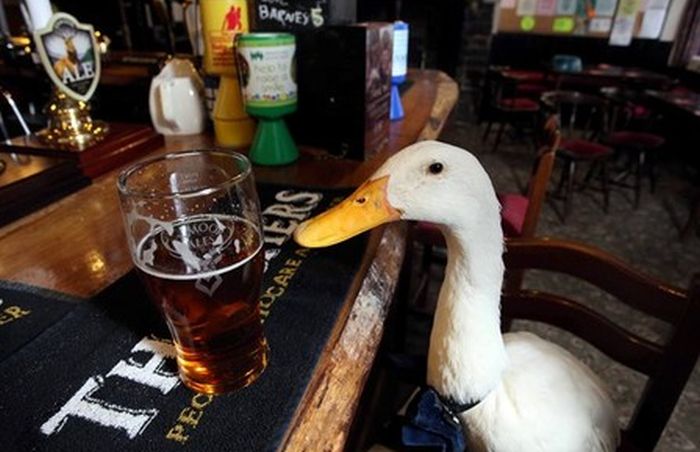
(639, 147)
(506, 107)
(583, 119)
(630, 122)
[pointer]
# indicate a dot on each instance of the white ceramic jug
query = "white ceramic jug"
(176, 99)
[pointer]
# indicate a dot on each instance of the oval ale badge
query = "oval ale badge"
(70, 55)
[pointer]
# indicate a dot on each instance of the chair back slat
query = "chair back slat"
(600, 269)
(629, 349)
(537, 187)
(581, 115)
(666, 385)
(668, 366)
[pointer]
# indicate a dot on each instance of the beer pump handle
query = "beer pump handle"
(11, 102)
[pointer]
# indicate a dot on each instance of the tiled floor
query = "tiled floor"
(646, 238)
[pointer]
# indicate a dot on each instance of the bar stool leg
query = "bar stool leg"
(606, 188)
(638, 178)
(571, 172)
(487, 132)
(499, 134)
(693, 216)
(426, 261)
(652, 174)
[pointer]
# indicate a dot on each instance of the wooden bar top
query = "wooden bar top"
(77, 246)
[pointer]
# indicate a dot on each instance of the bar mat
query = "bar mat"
(99, 375)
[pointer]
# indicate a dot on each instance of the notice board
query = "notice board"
(618, 20)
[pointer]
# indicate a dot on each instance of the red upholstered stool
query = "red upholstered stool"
(511, 110)
(507, 105)
(573, 151)
(582, 119)
(513, 210)
(638, 146)
(519, 104)
(532, 90)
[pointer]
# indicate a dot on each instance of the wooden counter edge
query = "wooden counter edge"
(325, 415)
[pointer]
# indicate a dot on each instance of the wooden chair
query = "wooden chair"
(505, 105)
(583, 119)
(667, 366)
(521, 213)
(630, 135)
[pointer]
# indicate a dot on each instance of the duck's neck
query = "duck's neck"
(467, 355)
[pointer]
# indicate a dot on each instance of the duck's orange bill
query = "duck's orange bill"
(366, 208)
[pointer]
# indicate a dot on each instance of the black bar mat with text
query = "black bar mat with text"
(101, 375)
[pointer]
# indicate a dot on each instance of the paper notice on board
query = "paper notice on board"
(566, 7)
(653, 21)
(563, 25)
(546, 7)
(526, 7)
(600, 25)
(508, 4)
(605, 7)
(623, 27)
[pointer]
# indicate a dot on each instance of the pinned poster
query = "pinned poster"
(600, 25)
(527, 23)
(563, 25)
(605, 7)
(566, 7)
(546, 7)
(623, 27)
(526, 7)
(653, 20)
(508, 4)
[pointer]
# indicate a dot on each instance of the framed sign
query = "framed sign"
(70, 56)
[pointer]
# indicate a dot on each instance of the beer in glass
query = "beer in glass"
(193, 225)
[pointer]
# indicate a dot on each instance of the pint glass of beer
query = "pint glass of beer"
(193, 225)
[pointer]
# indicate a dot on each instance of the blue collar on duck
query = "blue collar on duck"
(453, 406)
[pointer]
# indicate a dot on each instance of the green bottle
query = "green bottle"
(267, 75)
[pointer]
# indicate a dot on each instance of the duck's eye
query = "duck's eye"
(435, 168)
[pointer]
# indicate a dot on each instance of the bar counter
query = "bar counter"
(77, 246)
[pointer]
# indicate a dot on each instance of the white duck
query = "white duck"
(532, 394)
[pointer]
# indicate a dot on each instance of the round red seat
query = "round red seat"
(633, 139)
(519, 104)
(532, 89)
(428, 234)
(578, 148)
(513, 210)
(524, 75)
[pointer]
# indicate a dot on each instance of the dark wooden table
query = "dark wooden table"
(685, 102)
(77, 246)
(604, 75)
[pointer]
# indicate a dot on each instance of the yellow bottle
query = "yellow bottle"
(222, 20)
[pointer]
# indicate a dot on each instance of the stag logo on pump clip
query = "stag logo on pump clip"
(69, 54)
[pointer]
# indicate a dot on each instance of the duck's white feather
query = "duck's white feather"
(546, 401)
(535, 396)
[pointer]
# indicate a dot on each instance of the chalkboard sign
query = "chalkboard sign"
(278, 15)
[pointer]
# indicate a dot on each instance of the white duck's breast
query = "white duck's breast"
(546, 401)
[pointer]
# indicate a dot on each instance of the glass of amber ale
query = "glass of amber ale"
(193, 225)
